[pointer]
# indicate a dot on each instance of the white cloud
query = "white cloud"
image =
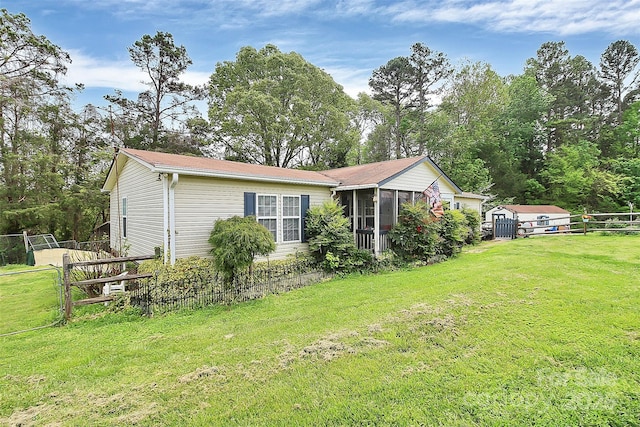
(122, 75)
(352, 80)
(93, 72)
(563, 17)
(355, 7)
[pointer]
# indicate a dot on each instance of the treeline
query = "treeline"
(563, 132)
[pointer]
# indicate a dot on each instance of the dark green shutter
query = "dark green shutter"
(304, 207)
(249, 204)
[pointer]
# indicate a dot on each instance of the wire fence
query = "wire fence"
(31, 299)
(207, 287)
(91, 245)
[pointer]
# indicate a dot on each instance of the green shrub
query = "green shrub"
(621, 226)
(453, 230)
(331, 241)
(419, 236)
(236, 242)
(415, 236)
(184, 270)
(474, 222)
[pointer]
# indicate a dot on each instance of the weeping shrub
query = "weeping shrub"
(236, 242)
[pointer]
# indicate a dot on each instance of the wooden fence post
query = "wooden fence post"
(68, 304)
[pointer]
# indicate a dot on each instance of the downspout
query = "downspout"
(172, 218)
(165, 217)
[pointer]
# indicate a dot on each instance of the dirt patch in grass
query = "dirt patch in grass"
(325, 349)
(203, 372)
(27, 417)
(138, 415)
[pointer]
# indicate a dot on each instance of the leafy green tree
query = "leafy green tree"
(628, 132)
(475, 96)
(574, 179)
(369, 115)
(474, 99)
(168, 101)
(518, 153)
(276, 109)
(430, 70)
(629, 171)
(235, 243)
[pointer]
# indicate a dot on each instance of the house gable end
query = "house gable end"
(431, 163)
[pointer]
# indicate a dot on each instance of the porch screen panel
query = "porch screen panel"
(386, 209)
(403, 197)
(366, 210)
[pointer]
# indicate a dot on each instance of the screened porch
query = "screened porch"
(373, 214)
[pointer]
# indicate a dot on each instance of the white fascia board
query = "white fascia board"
(355, 187)
(210, 174)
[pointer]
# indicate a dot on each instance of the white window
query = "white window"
(543, 220)
(290, 218)
(267, 213)
(124, 217)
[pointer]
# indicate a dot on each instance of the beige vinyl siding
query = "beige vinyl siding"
(144, 210)
(469, 203)
(418, 179)
(201, 201)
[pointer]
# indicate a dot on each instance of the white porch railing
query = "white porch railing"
(364, 240)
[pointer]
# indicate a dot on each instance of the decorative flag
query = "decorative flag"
(434, 200)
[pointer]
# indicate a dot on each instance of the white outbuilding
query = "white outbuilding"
(532, 218)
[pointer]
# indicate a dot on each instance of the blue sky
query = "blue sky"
(347, 38)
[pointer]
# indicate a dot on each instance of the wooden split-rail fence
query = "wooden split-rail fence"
(68, 266)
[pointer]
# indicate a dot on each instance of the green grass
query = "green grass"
(29, 298)
(540, 331)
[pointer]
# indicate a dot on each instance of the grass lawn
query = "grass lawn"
(540, 331)
(29, 298)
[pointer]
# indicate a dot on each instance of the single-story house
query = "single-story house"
(169, 201)
(533, 218)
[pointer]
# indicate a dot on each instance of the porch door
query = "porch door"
(366, 211)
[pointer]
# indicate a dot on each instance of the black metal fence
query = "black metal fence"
(206, 287)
